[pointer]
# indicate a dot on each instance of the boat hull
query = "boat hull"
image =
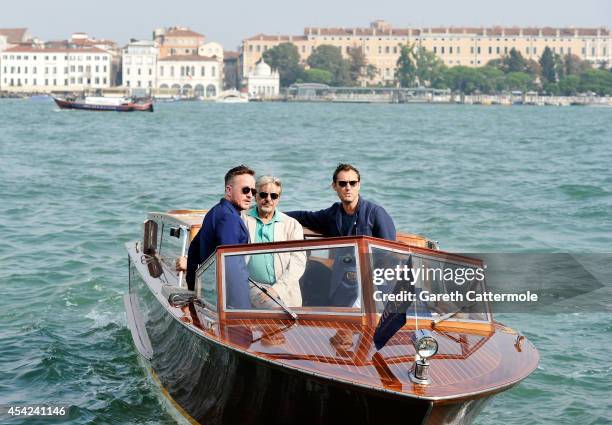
(127, 107)
(215, 384)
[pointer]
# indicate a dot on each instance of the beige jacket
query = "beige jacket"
(288, 266)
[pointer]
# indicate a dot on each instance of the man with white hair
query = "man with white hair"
(278, 272)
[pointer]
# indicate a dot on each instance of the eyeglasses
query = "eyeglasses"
(343, 183)
(264, 195)
(246, 190)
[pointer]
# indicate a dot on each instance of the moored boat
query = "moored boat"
(99, 103)
(319, 360)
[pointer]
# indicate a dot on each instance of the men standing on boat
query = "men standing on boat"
(279, 272)
(222, 225)
(352, 216)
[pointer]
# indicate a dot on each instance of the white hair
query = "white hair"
(264, 180)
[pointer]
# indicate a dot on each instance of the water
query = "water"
(75, 186)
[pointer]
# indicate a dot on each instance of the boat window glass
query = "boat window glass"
(322, 277)
(170, 247)
(206, 283)
(429, 286)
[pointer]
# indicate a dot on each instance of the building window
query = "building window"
(212, 71)
(490, 50)
(497, 50)
(442, 50)
(478, 49)
(258, 48)
(172, 71)
(150, 71)
(203, 71)
(387, 50)
(250, 48)
(450, 50)
(458, 50)
(104, 80)
(161, 71)
(395, 49)
(527, 50)
(435, 49)
(97, 80)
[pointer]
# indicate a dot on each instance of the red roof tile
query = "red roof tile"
(36, 49)
(14, 35)
(176, 32)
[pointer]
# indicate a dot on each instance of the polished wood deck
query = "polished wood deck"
(467, 364)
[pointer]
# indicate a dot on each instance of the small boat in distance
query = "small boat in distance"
(100, 103)
(232, 96)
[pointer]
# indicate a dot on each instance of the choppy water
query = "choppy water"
(75, 186)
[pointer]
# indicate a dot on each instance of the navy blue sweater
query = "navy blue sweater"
(370, 220)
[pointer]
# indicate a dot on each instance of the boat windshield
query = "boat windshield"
(322, 277)
(431, 285)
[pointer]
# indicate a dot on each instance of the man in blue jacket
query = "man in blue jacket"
(352, 216)
(222, 225)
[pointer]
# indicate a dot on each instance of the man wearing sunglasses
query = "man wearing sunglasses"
(279, 272)
(352, 216)
(223, 225)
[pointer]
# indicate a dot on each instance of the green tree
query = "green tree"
(406, 69)
(464, 79)
(357, 65)
(533, 68)
(315, 75)
(547, 62)
(518, 81)
(429, 68)
(492, 80)
(285, 58)
(597, 81)
(574, 65)
(568, 86)
(330, 59)
(514, 62)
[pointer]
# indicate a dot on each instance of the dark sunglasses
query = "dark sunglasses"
(246, 190)
(343, 183)
(264, 195)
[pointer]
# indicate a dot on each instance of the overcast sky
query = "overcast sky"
(228, 22)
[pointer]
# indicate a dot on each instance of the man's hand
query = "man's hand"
(181, 264)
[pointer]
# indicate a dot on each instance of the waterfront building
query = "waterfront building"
(42, 69)
(263, 82)
(139, 68)
(190, 75)
(473, 47)
(177, 41)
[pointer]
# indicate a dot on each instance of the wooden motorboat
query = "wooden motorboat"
(315, 362)
(98, 103)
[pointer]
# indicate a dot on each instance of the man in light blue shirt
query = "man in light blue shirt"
(261, 267)
(280, 272)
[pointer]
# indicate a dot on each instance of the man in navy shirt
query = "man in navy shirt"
(352, 216)
(222, 225)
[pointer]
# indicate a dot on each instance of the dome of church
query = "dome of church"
(263, 69)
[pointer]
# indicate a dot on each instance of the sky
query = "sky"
(231, 21)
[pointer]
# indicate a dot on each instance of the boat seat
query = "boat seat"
(314, 284)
